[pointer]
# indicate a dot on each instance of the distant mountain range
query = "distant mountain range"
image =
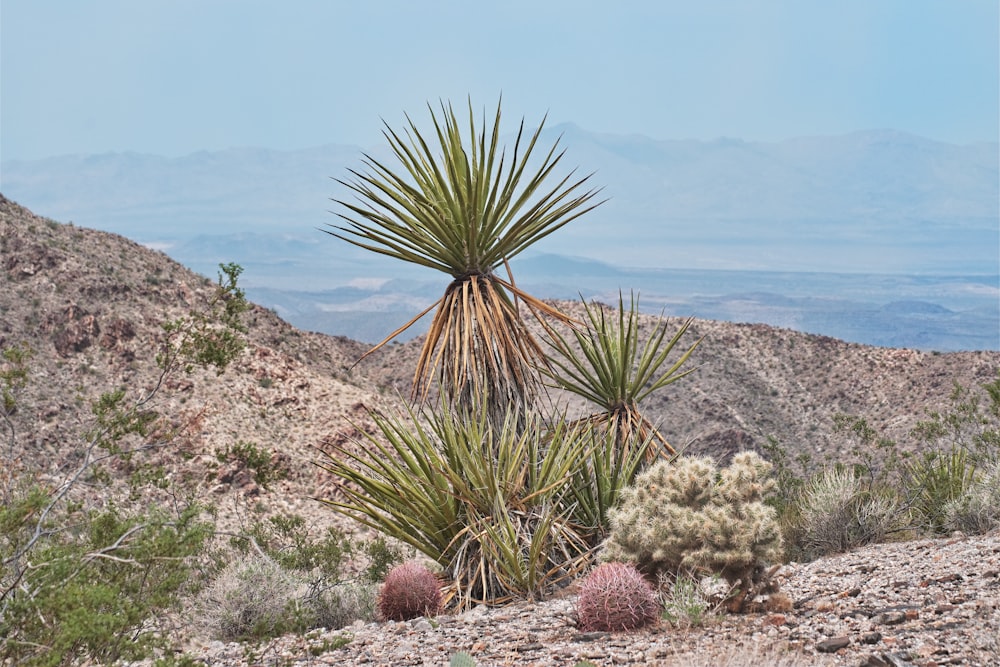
(879, 237)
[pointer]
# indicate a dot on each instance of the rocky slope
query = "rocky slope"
(91, 305)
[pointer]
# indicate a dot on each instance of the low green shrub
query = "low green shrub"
(88, 581)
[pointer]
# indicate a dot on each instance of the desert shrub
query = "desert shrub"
(615, 597)
(94, 592)
(287, 540)
(333, 594)
(688, 515)
(257, 597)
(935, 480)
(410, 590)
(839, 511)
(259, 460)
(335, 606)
(977, 511)
(687, 601)
(971, 422)
(254, 597)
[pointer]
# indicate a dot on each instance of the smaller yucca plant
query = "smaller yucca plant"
(489, 503)
(606, 364)
(615, 597)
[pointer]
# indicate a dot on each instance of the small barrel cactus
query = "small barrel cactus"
(410, 590)
(615, 597)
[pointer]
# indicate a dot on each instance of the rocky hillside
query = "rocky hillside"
(90, 304)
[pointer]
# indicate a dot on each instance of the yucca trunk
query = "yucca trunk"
(484, 354)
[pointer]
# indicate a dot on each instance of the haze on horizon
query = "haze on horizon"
(173, 77)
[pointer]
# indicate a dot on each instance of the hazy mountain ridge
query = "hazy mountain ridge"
(90, 305)
(676, 198)
(820, 234)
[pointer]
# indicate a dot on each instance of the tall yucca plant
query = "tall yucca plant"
(462, 207)
(609, 367)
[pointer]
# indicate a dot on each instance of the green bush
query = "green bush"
(259, 460)
(88, 582)
(90, 590)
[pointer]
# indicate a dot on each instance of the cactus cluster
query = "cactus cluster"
(410, 590)
(687, 515)
(616, 597)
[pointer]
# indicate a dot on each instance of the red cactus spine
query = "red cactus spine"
(410, 590)
(615, 597)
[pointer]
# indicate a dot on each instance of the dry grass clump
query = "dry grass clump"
(254, 597)
(839, 511)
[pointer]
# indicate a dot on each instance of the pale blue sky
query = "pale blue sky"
(172, 77)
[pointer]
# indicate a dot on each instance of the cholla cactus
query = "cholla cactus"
(687, 515)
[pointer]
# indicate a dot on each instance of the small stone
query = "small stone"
(890, 618)
(422, 625)
(871, 638)
(833, 645)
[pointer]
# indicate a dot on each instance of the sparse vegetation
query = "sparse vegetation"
(83, 581)
(949, 484)
(509, 502)
(259, 460)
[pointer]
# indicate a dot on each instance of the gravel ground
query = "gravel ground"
(927, 602)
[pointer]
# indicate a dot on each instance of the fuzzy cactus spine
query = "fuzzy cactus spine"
(689, 515)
